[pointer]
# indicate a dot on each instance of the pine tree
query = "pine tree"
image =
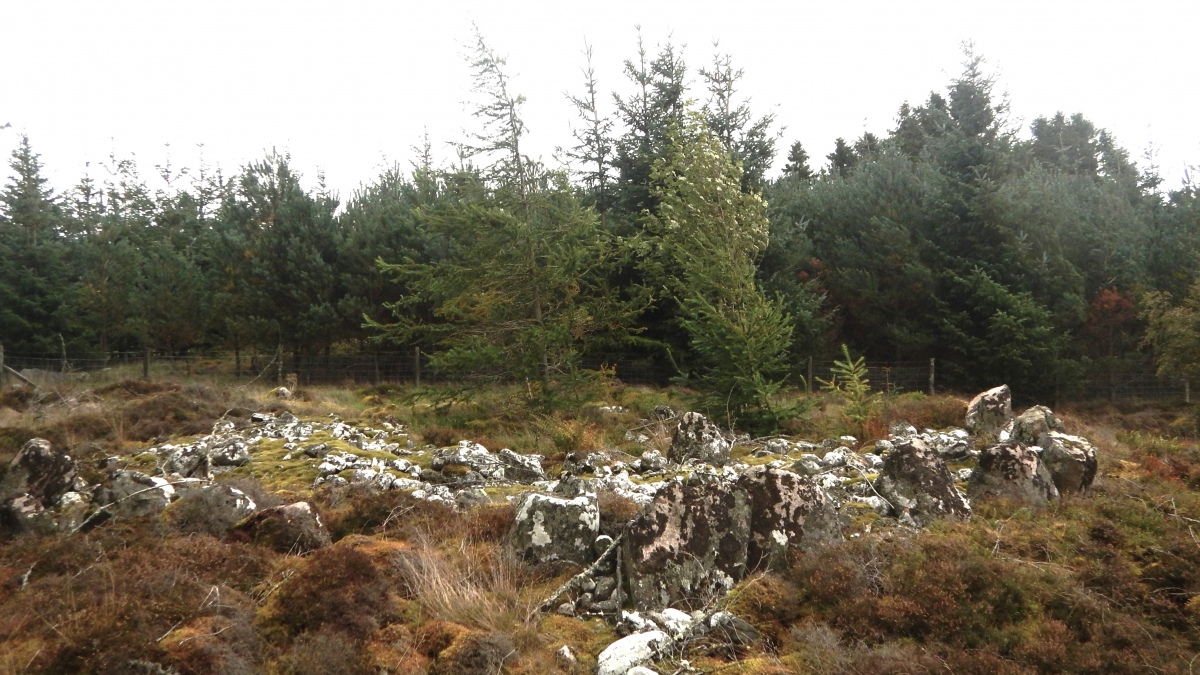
(748, 141)
(797, 163)
(33, 276)
(710, 234)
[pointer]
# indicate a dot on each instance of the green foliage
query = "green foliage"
(1173, 331)
(708, 233)
(849, 380)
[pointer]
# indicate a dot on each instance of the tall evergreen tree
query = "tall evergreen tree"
(34, 275)
(749, 141)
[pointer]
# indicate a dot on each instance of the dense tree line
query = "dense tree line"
(1026, 259)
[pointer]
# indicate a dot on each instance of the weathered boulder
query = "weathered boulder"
(519, 467)
(583, 463)
(989, 411)
(625, 654)
(209, 508)
(1070, 459)
(291, 528)
(185, 460)
(1012, 470)
(651, 461)
(663, 413)
(40, 471)
(698, 438)
(1029, 426)
(473, 456)
(24, 513)
(548, 528)
(919, 485)
(689, 544)
(229, 452)
(786, 509)
(132, 493)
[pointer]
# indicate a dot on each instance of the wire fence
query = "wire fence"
(414, 367)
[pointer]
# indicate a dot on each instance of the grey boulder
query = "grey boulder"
(548, 528)
(917, 483)
(989, 411)
(696, 437)
(1070, 459)
(1014, 471)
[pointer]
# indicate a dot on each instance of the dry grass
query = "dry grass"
(481, 586)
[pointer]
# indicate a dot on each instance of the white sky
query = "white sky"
(347, 87)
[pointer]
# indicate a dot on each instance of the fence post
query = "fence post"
(1187, 387)
(808, 382)
(932, 373)
(279, 365)
(1, 364)
(417, 364)
(146, 363)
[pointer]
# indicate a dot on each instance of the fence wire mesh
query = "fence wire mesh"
(408, 367)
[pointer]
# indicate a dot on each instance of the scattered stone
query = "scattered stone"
(663, 413)
(919, 486)
(698, 438)
(292, 528)
(473, 456)
(1014, 471)
(230, 452)
(989, 411)
(651, 461)
(548, 528)
(732, 630)
(565, 655)
(1071, 461)
(625, 654)
(283, 393)
(316, 450)
(132, 493)
(523, 468)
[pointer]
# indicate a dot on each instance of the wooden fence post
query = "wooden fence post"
(808, 382)
(146, 363)
(932, 373)
(417, 365)
(1, 364)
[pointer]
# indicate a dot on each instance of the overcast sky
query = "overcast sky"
(348, 87)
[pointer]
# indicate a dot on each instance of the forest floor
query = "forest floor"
(1105, 582)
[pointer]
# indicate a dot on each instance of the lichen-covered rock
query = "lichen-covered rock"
(25, 513)
(989, 411)
(473, 456)
(917, 483)
(1014, 471)
(631, 651)
(548, 528)
(229, 452)
(1070, 459)
(786, 510)
(651, 461)
(689, 544)
(185, 460)
(519, 467)
(1029, 426)
(291, 528)
(698, 438)
(132, 493)
(40, 471)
